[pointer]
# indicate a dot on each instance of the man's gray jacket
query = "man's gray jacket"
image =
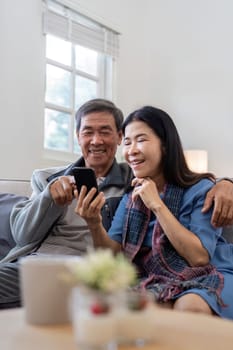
(39, 225)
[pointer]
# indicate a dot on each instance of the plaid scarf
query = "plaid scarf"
(162, 269)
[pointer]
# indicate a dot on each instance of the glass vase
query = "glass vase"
(134, 316)
(94, 322)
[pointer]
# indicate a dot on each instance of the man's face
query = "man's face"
(98, 138)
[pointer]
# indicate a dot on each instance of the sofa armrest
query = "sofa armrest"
(19, 187)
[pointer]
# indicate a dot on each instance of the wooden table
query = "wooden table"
(172, 331)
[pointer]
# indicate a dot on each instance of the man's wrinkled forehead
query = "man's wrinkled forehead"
(98, 120)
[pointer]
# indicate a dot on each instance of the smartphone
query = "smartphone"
(85, 176)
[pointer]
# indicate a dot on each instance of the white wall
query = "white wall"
(192, 72)
(21, 86)
(176, 54)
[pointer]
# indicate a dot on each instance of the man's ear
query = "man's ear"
(77, 134)
(120, 134)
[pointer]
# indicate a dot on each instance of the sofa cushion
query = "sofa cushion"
(7, 201)
(227, 233)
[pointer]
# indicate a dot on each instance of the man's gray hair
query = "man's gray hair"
(99, 105)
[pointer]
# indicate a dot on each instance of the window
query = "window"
(80, 56)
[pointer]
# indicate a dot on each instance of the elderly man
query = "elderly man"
(47, 222)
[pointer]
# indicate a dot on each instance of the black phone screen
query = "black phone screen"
(85, 176)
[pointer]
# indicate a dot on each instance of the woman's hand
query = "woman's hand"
(88, 209)
(147, 190)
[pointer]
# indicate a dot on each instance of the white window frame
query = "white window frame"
(64, 26)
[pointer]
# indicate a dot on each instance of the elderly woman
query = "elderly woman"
(159, 224)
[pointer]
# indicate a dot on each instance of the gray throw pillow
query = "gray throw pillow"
(7, 201)
(227, 233)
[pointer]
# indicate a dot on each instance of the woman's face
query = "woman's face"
(142, 150)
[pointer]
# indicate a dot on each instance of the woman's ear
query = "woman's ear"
(163, 151)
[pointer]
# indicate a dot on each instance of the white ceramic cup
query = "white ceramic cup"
(45, 295)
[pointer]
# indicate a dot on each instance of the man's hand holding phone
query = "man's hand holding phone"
(90, 201)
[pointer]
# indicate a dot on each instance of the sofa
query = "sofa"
(12, 191)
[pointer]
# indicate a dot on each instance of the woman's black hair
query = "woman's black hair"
(174, 165)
